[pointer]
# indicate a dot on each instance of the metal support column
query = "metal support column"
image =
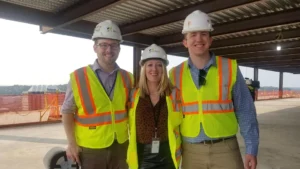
(137, 52)
(280, 84)
(255, 78)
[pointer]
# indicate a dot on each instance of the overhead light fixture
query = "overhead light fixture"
(278, 48)
(278, 39)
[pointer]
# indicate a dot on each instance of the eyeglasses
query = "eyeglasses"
(201, 78)
(104, 46)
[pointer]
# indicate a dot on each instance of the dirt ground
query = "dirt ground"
(25, 146)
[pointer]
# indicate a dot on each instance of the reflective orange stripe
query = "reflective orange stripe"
(230, 77)
(220, 77)
(130, 81)
(190, 113)
(189, 103)
(180, 76)
(124, 84)
(121, 120)
(120, 111)
(80, 92)
(174, 77)
(134, 95)
(89, 89)
(94, 115)
(218, 111)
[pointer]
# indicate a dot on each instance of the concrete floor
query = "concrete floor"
(25, 146)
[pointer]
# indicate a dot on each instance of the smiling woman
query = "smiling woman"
(154, 116)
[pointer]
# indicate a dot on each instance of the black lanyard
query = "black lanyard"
(156, 116)
(113, 86)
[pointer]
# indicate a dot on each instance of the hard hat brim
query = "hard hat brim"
(166, 62)
(196, 30)
(96, 38)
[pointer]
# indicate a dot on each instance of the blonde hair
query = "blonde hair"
(164, 87)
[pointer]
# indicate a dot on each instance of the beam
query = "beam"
(86, 28)
(255, 78)
(256, 38)
(289, 70)
(280, 84)
(271, 59)
(180, 14)
(23, 14)
(296, 65)
(77, 12)
(274, 65)
(137, 52)
(237, 50)
(295, 62)
(263, 54)
(263, 47)
(278, 18)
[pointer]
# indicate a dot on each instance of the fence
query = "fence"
(29, 108)
(275, 94)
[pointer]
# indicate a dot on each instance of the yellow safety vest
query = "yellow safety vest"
(210, 105)
(174, 120)
(98, 118)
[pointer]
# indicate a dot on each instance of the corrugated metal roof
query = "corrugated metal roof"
(231, 14)
(129, 11)
(258, 43)
(276, 28)
(53, 6)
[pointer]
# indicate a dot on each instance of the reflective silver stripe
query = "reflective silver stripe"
(120, 116)
(190, 108)
(217, 106)
(225, 77)
(178, 153)
(95, 120)
(177, 75)
(175, 102)
(126, 77)
(87, 102)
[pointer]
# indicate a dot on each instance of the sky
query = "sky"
(28, 57)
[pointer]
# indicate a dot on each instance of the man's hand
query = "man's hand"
(250, 161)
(73, 153)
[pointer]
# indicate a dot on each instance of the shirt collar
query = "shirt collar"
(97, 67)
(211, 62)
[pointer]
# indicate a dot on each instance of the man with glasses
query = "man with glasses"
(94, 112)
(215, 101)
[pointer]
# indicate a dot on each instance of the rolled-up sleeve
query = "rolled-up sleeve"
(246, 114)
(69, 105)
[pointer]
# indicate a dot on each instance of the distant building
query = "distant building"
(44, 89)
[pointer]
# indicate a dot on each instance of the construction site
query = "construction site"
(246, 30)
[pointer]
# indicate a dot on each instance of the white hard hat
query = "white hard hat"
(197, 21)
(107, 30)
(154, 52)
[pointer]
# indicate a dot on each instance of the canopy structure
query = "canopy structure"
(246, 30)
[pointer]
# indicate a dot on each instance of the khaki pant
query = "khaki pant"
(222, 155)
(113, 157)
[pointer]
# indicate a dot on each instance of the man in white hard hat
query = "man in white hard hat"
(216, 101)
(94, 112)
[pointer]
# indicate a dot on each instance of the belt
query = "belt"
(214, 141)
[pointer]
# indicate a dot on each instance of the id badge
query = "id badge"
(155, 145)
